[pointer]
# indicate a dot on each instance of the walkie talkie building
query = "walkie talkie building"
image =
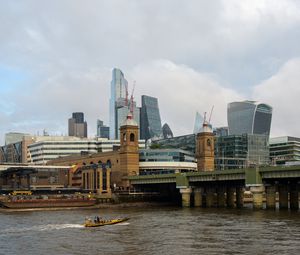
(249, 117)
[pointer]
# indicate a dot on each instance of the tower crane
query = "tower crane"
(131, 98)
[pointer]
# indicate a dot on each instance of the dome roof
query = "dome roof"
(206, 128)
(129, 121)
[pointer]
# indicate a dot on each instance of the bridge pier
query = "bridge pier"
(198, 192)
(210, 195)
(221, 199)
(283, 196)
(257, 193)
(270, 197)
(294, 197)
(230, 197)
(240, 197)
(186, 197)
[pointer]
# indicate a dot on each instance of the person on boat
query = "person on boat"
(98, 219)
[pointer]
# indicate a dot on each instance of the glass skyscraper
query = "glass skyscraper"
(249, 117)
(117, 100)
(150, 118)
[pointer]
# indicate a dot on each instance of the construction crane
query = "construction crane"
(131, 99)
(126, 97)
(210, 114)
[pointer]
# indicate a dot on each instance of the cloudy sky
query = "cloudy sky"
(56, 58)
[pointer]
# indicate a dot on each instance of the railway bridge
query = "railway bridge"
(227, 187)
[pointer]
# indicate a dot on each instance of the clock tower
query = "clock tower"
(205, 149)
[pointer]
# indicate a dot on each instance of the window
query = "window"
(131, 137)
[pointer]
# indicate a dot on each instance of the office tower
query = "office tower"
(77, 125)
(150, 118)
(119, 86)
(198, 123)
(166, 131)
(122, 113)
(249, 117)
(102, 130)
(221, 131)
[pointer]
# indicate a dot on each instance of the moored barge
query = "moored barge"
(47, 203)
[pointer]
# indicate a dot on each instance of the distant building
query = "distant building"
(166, 161)
(249, 117)
(47, 148)
(221, 131)
(241, 151)
(198, 123)
(14, 137)
(184, 142)
(166, 131)
(77, 125)
(285, 150)
(150, 118)
(122, 113)
(102, 130)
(15, 149)
(118, 88)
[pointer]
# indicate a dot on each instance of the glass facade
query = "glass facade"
(249, 117)
(198, 123)
(185, 142)
(102, 130)
(150, 118)
(240, 151)
(117, 99)
(166, 155)
(166, 131)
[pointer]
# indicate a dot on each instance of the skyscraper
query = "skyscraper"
(77, 125)
(249, 117)
(122, 113)
(166, 131)
(150, 118)
(117, 100)
(198, 123)
(102, 130)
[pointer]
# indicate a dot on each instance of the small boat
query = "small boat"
(90, 224)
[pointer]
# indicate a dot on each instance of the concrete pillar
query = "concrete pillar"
(210, 195)
(230, 197)
(198, 197)
(257, 193)
(270, 197)
(186, 197)
(240, 197)
(221, 201)
(283, 196)
(294, 197)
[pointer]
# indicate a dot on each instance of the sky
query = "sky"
(56, 57)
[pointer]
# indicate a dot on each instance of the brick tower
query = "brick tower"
(129, 147)
(205, 149)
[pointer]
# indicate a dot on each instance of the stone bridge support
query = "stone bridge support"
(186, 196)
(230, 197)
(221, 198)
(240, 197)
(271, 197)
(294, 197)
(257, 193)
(283, 196)
(198, 192)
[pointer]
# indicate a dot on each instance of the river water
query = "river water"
(155, 230)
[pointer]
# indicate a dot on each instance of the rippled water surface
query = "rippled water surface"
(167, 230)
